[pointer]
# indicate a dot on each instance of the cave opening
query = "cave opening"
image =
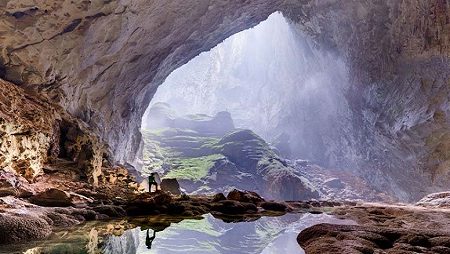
(270, 82)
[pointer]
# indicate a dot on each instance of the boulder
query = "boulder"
(232, 207)
(334, 183)
(274, 206)
(171, 185)
(21, 228)
(437, 200)
(14, 185)
(52, 198)
(245, 196)
(7, 185)
(219, 197)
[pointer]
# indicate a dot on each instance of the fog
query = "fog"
(272, 80)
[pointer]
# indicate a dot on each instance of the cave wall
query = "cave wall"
(397, 53)
(35, 133)
(103, 60)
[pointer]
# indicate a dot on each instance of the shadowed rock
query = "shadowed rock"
(171, 185)
(52, 198)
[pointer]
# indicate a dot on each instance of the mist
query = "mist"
(271, 79)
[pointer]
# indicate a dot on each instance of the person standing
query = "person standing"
(154, 180)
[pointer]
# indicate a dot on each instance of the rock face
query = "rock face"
(33, 132)
(437, 200)
(171, 185)
(163, 116)
(103, 60)
(207, 162)
(14, 185)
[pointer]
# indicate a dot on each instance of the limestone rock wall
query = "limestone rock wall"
(33, 132)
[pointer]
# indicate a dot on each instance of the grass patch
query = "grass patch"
(193, 169)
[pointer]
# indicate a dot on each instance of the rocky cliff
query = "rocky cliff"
(103, 60)
(206, 160)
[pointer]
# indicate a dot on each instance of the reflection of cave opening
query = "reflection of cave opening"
(270, 79)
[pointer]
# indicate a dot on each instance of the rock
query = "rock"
(52, 198)
(440, 241)
(438, 200)
(111, 210)
(219, 197)
(149, 203)
(232, 207)
(171, 185)
(440, 250)
(415, 240)
(245, 196)
(7, 185)
(328, 238)
(14, 185)
(301, 163)
(274, 206)
(334, 183)
(22, 228)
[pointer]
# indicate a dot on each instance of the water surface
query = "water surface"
(162, 235)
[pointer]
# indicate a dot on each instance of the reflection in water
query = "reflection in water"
(162, 235)
(149, 240)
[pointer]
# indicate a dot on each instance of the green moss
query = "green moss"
(192, 168)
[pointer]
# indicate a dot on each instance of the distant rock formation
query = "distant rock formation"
(195, 150)
(436, 200)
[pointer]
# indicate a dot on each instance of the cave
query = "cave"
(362, 100)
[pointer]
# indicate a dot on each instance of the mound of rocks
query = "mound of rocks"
(328, 238)
(437, 200)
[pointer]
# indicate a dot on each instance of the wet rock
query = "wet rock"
(52, 198)
(232, 207)
(110, 210)
(245, 196)
(20, 228)
(171, 185)
(219, 197)
(149, 203)
(370, 239)
(274, 206)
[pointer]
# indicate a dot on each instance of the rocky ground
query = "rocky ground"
(36, 215)
(59, 199)
(334, 184)
(381, 229)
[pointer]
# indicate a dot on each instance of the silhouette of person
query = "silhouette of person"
(149, 240)
(153, 179)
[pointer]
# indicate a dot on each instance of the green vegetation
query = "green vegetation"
(187, 155)
(193, 169)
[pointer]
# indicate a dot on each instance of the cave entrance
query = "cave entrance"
(270, 81)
